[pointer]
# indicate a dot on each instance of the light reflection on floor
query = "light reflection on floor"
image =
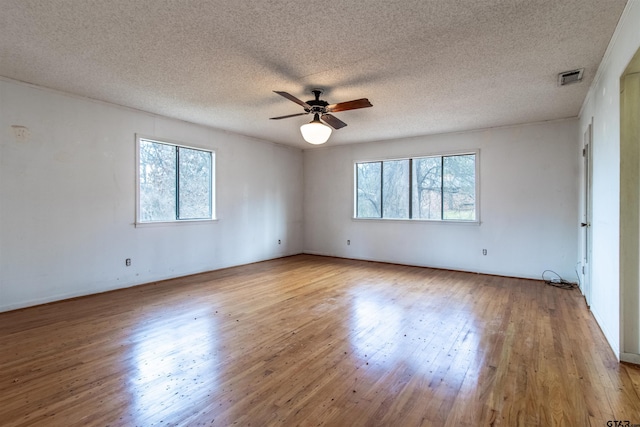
(174, 360)
(388, 333)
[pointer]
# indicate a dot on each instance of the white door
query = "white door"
(586, 224)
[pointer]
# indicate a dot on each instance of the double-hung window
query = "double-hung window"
(440, 187)
(175, 182)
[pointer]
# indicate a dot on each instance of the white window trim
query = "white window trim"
(138, 222)
(477, 221)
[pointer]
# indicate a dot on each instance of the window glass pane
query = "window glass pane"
(368, 190)
(427, 182)
(434, 187)
(459, 187)
(194, 183)
(395, 193)
(157, 181)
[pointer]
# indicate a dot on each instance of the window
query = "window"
(175, 183)
(432, 188)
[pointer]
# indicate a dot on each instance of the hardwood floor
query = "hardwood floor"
(312, 341)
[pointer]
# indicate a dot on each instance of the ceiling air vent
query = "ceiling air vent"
(568, 77)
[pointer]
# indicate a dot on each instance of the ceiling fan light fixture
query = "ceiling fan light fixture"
(315, 132)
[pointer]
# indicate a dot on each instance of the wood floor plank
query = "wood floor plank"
(315, 341)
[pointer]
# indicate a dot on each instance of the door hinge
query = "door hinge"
(583, 270)
(584, 152)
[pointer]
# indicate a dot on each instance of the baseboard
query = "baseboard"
(109, 287)
(630, 358)
(436, 267)
(612, 345)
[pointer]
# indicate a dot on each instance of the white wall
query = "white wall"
(529, 191)
(603, 105)
(67, 200)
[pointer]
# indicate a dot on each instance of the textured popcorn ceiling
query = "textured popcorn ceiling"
(426, 66)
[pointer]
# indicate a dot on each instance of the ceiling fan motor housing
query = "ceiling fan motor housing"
(317, 105)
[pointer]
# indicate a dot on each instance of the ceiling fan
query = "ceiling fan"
(317, 132)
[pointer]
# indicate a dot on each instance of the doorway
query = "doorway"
(630, 212)
(587, 153)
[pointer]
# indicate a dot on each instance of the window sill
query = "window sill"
(172, 223)
(421, 221)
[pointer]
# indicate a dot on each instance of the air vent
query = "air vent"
(568, 77)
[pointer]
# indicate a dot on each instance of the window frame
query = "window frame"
(475, 152)
(141, 223)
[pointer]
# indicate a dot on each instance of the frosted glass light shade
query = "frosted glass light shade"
(315, 132)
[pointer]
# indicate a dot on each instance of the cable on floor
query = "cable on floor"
(552, 278)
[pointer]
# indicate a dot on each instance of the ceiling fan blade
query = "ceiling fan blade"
(293, 98)
(286, 117)
(349, 105)
(333, 121)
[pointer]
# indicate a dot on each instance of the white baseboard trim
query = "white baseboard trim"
(434, 266)
(630, 358)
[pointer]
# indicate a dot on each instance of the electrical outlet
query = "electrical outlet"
(21, 133)
(127, 262)
(279, 242)
(484, 252)
(348, 242)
